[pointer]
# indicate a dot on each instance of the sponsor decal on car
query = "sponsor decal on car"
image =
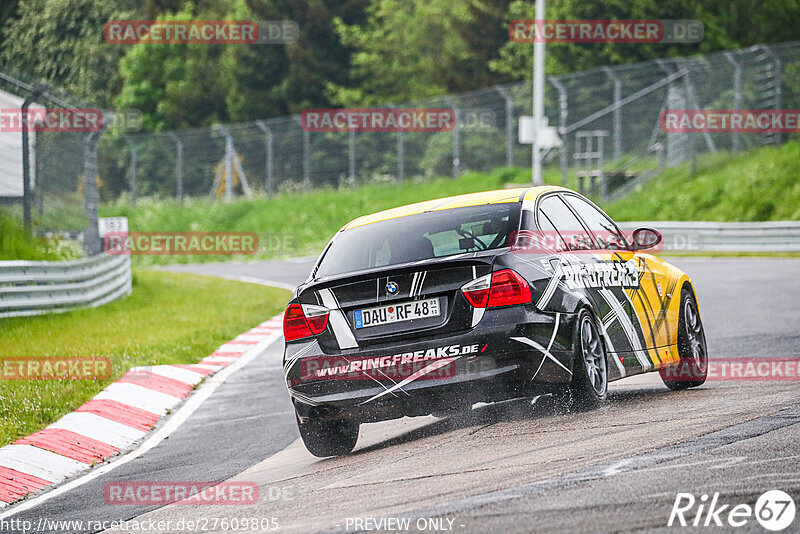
(600, 275)
(382, 366)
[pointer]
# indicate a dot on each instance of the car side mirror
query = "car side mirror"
(645, 238)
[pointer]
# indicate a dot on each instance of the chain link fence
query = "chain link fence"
(608, 120)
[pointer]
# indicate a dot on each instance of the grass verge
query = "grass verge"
(169, 318)
(18, 244)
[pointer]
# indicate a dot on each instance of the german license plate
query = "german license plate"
(396, 313)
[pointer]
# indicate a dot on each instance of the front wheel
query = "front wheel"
(692, 369)
(589, 386)
(329, 438)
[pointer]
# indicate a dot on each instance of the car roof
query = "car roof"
(499, 196)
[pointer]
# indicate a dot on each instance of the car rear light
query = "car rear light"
(508, 288)
(503, 288)
(317, 317)
(304, 321)
(477, 291)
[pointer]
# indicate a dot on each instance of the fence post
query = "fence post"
(134, 157)
(691, 96)
(268, 163)
(306, 155)
(91, 235)
(401, 167)
(777, 83)
(737, 94)
(26, 160)
(351, 157)
(178, 165)
(563, 105)
(456, 139)
(617, 129)
(509, 124)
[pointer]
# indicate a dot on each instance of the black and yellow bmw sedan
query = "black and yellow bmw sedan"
(432, 307)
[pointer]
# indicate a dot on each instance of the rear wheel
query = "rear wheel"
(692, 369)
(589, 386)
(329, 438)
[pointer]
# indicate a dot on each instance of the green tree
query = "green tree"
(177, 86)
(181, 86)
(319, 57)
(61, 42)
(410, 49)
(728, 24)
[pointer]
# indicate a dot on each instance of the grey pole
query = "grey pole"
(178, 165)
(228, 160)
(134, 156)
(691, 96)
(737, 94)
(617, 112)
(401, 169)
(778, 82)
(563, 105)
(228, 167)
(91, 235)
(306, 155)
(27, 191)
(268, 170)
(509, 124)
(538, 99)
(456, 139)
(351, 157)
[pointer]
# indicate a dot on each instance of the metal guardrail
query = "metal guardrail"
(38, 287)
(772, 236)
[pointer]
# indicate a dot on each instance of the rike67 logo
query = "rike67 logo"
(774, 510)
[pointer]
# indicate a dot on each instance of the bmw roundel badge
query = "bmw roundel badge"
(391, 288)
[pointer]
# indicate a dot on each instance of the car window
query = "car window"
(555, 215)
(420, 237)
(607, 235)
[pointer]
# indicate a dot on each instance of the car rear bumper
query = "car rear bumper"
(512, 352)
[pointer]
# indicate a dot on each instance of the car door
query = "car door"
(583, 269)
(648, 301)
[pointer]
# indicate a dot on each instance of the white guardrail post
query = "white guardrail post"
(38, 287)
(771, 236)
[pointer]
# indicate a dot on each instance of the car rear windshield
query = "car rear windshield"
(424, 236)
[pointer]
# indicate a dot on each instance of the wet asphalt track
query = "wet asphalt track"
(510, 468)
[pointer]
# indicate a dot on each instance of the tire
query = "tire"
(589, 386)
(692, 369)
(329, 438)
